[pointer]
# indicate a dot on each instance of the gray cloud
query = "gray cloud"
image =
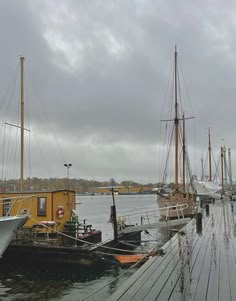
(97, 74)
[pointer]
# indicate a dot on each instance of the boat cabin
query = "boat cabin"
(50, 207)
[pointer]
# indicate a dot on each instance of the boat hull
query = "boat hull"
(172, 201)
(8, 227)
(131, 258)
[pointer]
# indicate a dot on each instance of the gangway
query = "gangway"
(151, 219)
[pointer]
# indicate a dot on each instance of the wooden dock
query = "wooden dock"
(195, 266)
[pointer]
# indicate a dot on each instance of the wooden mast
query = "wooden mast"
(184, 157)
(176, 124)
(230, 169)
(202, 177)
(22, 124)
(209, 154)
(222, 170)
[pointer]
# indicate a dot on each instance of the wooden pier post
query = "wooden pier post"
(113, 217)
(207, 209)
(199, 222)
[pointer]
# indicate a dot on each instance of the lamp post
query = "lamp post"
(68, 175)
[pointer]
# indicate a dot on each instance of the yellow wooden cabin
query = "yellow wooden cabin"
(44, 206)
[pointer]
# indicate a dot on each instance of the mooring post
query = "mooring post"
(207, 209)
(199, 222)
(113, 217)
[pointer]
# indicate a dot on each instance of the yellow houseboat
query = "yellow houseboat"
(52, 214)
(53, 230)
(54, 206)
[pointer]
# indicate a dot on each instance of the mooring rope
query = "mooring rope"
(87, 242)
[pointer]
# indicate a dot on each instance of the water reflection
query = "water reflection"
(43, 282)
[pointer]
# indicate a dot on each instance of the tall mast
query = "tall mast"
(202, 177)
(184, 156)
(209, 154)
(230, 168)
(222, 171)
(225, 166)
(176, 123)
(22, 123)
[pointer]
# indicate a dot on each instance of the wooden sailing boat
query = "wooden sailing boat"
(46, 205)
(180, 202)
(206, 188)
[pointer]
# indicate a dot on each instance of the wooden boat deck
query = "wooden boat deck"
(194, 267)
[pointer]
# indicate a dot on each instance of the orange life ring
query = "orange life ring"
(60, 212)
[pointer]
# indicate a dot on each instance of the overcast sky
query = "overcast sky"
(96, 75)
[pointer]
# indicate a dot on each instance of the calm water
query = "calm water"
(56, 283)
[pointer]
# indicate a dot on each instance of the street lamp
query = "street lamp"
(68, 176)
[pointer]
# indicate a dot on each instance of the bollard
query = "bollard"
(199, 222)
(207, 209)
(201, 203)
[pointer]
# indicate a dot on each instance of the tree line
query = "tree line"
(78, 185)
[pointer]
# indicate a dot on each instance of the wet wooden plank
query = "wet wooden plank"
(200, 291)
(155, 286)
(224, 277)
(232, 266)
(195, 259)
(213, 280)
(194, 268)
(150, 270)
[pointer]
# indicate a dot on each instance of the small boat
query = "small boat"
(125, 259)
(133, 258)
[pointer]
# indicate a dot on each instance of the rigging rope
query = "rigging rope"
(87, 242)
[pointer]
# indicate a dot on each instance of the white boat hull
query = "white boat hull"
(8, 227)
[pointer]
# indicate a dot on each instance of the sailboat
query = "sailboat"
(205, 188)
(14, 212)
(50, 214)
(181, 201)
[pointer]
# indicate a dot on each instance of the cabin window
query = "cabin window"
(41, 206)
(6, 206)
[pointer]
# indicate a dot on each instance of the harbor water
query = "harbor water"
(19, 282)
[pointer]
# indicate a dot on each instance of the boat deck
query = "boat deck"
(195, 266)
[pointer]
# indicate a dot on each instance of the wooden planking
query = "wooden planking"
(160, 267)
(213, 275)
(186, 280)
(232, 266)
(194, 268)
(200, 273)
(149, 269)
(180, 278)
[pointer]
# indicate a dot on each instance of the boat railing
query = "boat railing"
(151, 216)
(178, 208)
(21, 205)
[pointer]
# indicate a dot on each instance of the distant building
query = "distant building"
(124, 189)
